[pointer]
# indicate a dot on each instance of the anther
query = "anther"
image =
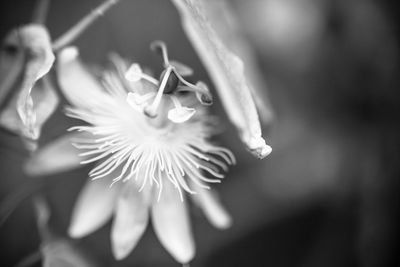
(135, 74)
(200, 89)
(179, 114)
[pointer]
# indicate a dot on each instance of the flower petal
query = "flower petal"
(222, 17)
(93, 208)
(130, 222)
(79, 86)
(208, 201)
(59, 155)
(171, 224)
(227, 71)
(180, 114)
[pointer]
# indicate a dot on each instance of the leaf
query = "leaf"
(56, 251)
(227, 71)
(29, 57)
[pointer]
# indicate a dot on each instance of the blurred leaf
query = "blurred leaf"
(10, 202)
(25, 58)
(56, 251)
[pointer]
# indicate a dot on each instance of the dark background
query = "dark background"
(328, 193)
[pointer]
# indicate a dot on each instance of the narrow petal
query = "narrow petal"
(217, 215)
(59, 155)
(171, 224)
(93, 208)
(227, 71)
(181, 114)
(222, 17)
(130, 222)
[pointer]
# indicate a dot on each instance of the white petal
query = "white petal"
(93, 208)
(134, 73)
(60, 155)
(131, 218)
(78, 85)
(180, 114)
(171, 224)
(227, 72)
(212, 208)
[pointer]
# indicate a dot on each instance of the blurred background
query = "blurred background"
(328, 193)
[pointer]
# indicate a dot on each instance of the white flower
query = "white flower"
(146, 164)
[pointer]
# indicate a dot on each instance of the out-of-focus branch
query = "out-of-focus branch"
(82, 25)
(40, 12)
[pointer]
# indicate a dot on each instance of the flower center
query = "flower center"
(171, 84)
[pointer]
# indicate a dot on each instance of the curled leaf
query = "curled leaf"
(227, 71)
(27, 57)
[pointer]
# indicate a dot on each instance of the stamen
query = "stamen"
(135, 74)
(181, 68)
(179, 114)
(201, 89)
(151, 110)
